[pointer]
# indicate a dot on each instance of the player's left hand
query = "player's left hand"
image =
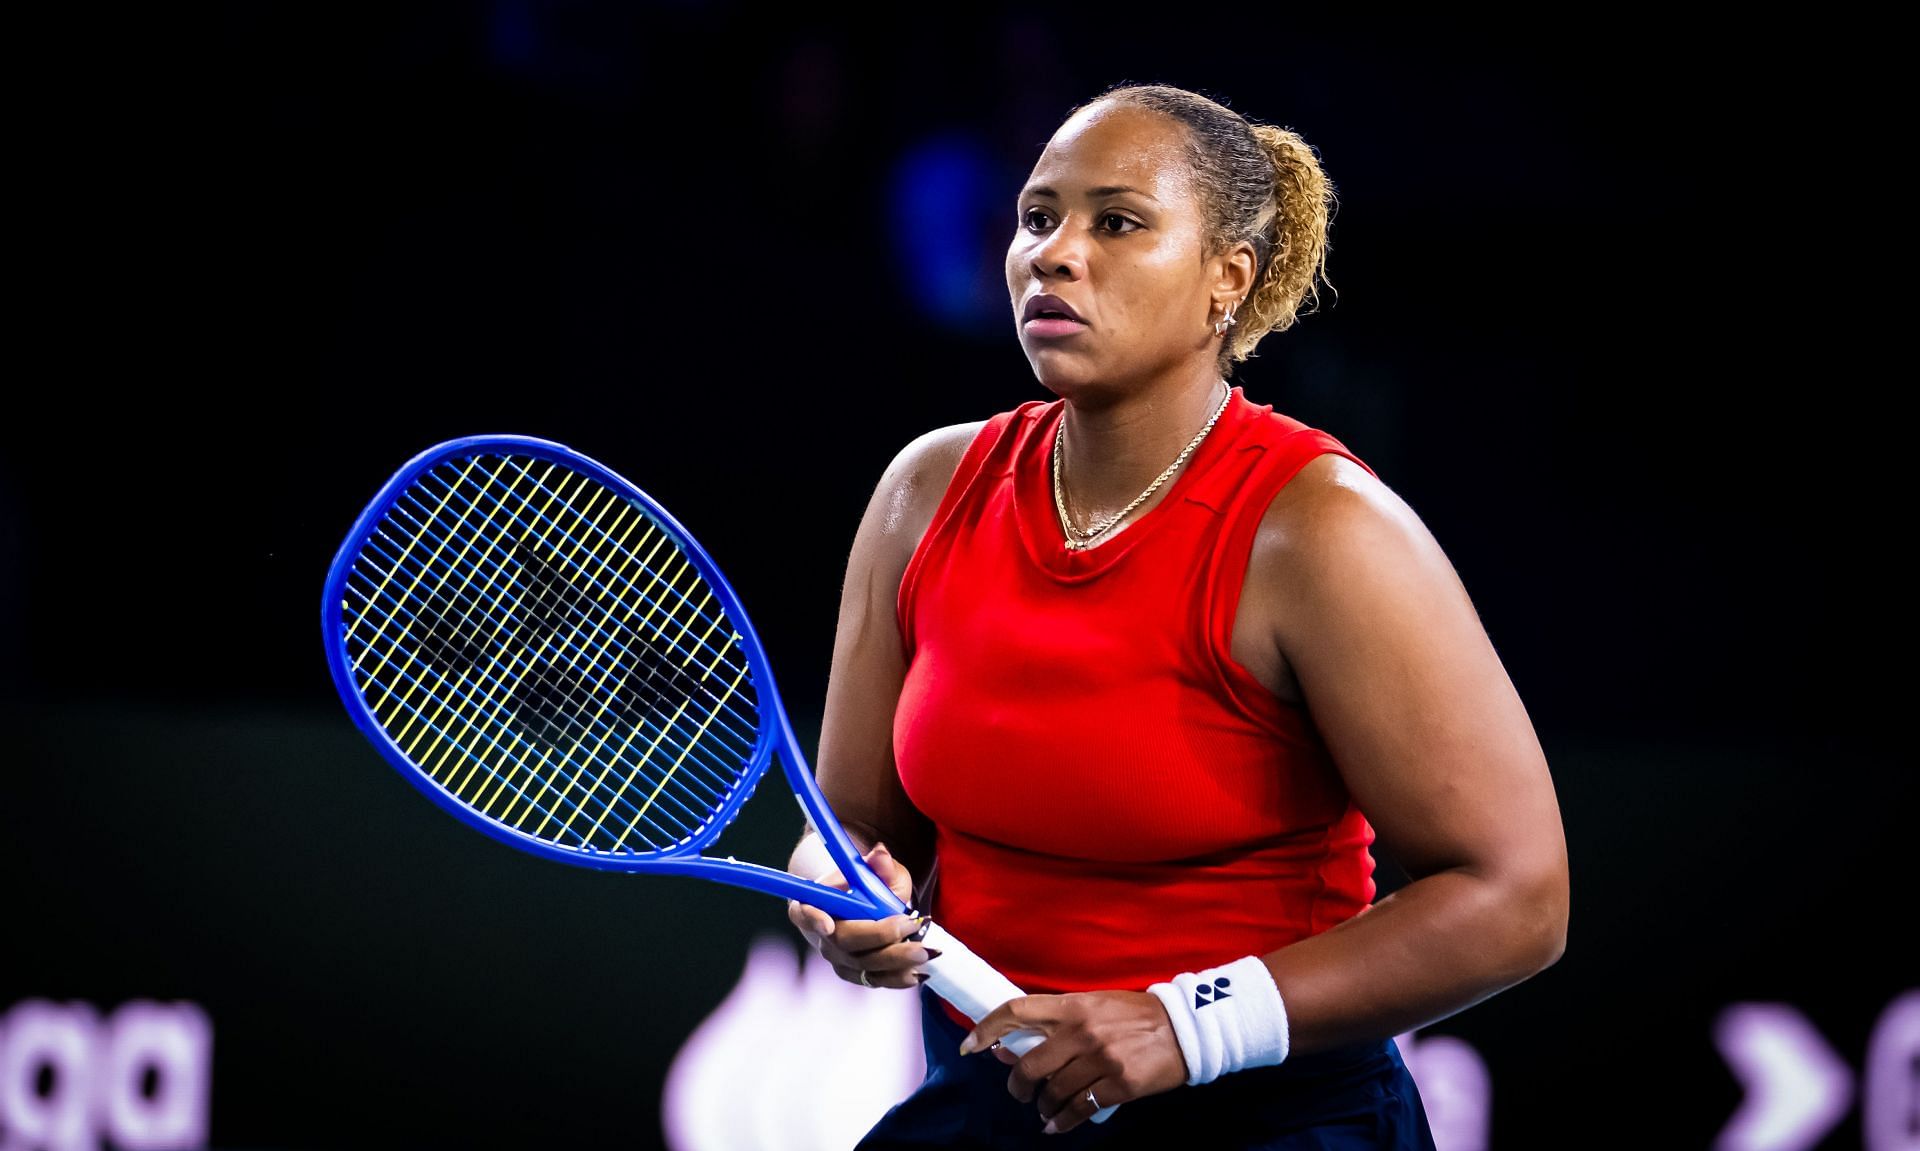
(1118, 1044)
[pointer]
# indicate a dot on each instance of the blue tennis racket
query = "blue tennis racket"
(538, 646)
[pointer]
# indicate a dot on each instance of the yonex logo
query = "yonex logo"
(1211, 992)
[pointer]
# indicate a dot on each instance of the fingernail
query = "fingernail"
(933, 953)
(922, 976)
(1049, 1129)
(966, 1045)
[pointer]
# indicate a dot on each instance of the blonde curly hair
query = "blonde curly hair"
(1259, 183)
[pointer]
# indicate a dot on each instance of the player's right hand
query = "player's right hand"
(879, 948)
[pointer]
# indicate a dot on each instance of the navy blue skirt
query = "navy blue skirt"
(1351, 1097)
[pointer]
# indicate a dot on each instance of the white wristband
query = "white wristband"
(1226, 1018)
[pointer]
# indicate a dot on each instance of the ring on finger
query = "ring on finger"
(1091, 1101)
(863, 978)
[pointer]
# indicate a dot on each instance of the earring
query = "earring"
(1220, 329)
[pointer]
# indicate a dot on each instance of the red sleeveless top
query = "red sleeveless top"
(1115, 799)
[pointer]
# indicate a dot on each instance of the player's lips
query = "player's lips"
(1049, 315)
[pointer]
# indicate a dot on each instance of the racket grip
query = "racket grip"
(972, 985)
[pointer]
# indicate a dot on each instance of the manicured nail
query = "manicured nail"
(933, 953)
(922, 976)
(966, 1045)
(1049, 1129)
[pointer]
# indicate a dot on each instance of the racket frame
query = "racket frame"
(871, 898)
(959, 976)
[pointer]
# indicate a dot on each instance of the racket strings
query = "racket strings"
(671, 583)
(536, 577)
(534, 677)
(478, 614)
(502, 756)
(536, 798)
(478, 706)
(632, 641)
(436, 693)
(530, 577)
(662, 626)
(655, 579)
(485, 698)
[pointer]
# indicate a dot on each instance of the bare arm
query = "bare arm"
(1432, 740)
(856, 770)
(1435, 746)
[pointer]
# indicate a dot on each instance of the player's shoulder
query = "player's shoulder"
(1334, 507)
(933, 456)
(940, 450)
(909, 490)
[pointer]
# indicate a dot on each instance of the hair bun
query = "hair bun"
(1260, 184)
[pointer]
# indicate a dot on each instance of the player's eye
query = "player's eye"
(1124, 224)
(1034, 219)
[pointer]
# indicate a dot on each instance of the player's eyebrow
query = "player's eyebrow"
(1104, 190)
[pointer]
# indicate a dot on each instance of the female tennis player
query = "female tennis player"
(1128, 680)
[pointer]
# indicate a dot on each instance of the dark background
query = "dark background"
(1607, 319)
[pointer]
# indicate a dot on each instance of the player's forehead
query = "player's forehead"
(1106, 146)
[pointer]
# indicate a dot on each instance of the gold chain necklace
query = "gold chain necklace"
(1079, 539)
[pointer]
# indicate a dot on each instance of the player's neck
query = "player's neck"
(1114, 451)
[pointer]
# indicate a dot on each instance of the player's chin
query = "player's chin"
(1061, 371)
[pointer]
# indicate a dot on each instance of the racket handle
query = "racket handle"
(972, 985)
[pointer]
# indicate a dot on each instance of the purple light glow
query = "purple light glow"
(1892, 1104)
(1456, 1088)
(1797, 1088)
(175, 1042)
(794, 1059)
(96, 1077)
(40, 1038)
